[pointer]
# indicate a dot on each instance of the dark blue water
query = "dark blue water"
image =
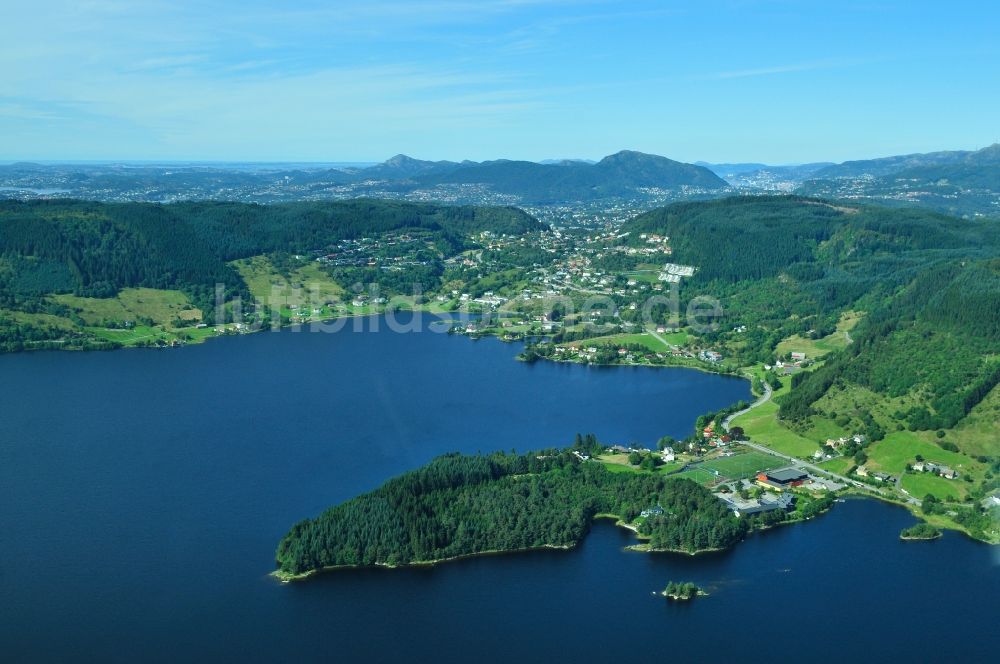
(142, 494)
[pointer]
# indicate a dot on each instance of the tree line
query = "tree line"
(95, 249)
(459, 505)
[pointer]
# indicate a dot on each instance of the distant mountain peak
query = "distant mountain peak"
(989, 153)
(631, 154)
(401, 159)
(630, 158)
(403, 166)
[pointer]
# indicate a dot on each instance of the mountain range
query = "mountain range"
(621, 174)
(961, 182)
(900, 163)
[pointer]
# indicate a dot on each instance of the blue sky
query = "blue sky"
(361, 80)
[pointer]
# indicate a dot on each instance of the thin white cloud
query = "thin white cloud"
(29, 112)
(785, 69)
(169, 62)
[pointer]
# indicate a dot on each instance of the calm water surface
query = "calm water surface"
(142, 494)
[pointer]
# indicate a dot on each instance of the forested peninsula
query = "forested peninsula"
(459, 505)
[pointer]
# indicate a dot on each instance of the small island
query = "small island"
(920, 531)
(682, 592)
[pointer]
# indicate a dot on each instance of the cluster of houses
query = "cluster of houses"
(490, 300)
(622, 449)
(364, 300)
(710, 356)
(667, 454)
(862, 471)
(362, 252)
(935, 468)
(589, 354)
(918, 466)
(837, 443)
(715, 439)
(651, 511)
(797, 361)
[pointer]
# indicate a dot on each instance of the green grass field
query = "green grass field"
(814, 348)
(644, 276)
(132, 335)
(822, 428)
(762, 425)
(619, 468)
(40, 319)
(641, 338)
(160, 306)
(315, 286)
(979, 432)
(840, 465)
(901, 447)
(743, 466)
(618, 463)
(698, 475)
(921, 484)
(676, 338)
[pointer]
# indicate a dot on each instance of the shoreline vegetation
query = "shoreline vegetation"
(920, 531)
(685, 591)
(287, 577)
(667, 363)
(460, 506)
(886, 378)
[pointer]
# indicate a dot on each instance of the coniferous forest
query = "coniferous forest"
(462, 505)
(928, 284)
(95, 249)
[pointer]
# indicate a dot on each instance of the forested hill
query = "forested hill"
(935, 343)
(620, 174)
(96, 249)
(462, 505)
(900, 164)
(850, 246)
(960, 183)
(926, 286)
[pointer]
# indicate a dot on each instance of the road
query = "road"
(764, 398)
(666, 343)
(799, 462)
(813, 468)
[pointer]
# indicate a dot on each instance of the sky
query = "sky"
(780, 81)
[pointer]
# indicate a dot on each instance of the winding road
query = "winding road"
(764, 398)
